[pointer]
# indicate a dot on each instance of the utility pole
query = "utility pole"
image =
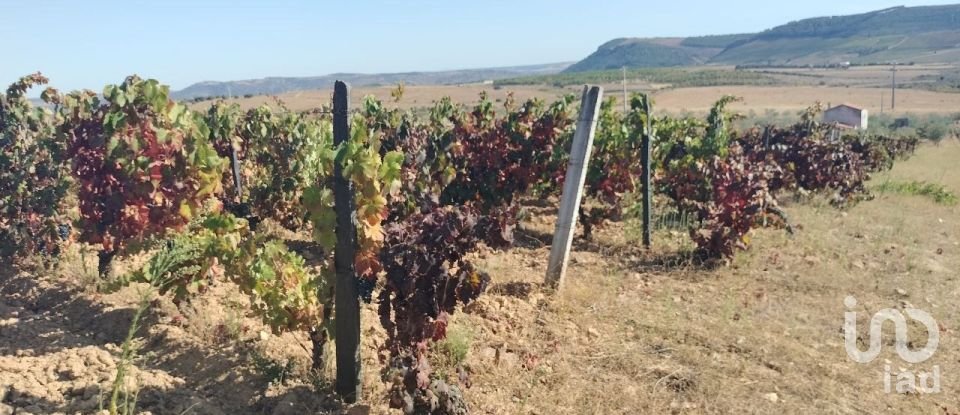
(893, 88)
(624, 90)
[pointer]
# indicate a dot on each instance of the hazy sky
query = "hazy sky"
(88, 43)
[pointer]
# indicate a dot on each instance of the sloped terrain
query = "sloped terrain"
(927, 34)
(644, 53)
(904, 34)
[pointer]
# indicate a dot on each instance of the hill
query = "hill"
(655, 52)
(919, 34)
(674, 77)
(905, 34)
(279, 85)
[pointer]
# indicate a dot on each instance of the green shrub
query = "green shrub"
(455, 347)
(934, 131)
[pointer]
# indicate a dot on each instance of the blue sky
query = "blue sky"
(87, 44)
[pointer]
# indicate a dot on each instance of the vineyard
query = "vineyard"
(283, 205)
(677, 78)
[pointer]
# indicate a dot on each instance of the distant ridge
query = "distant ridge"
(921, 34)
(279, 85)
(904, 34)
(655, 52)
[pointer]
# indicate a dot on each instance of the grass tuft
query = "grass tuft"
(936, 192)
(452, 351)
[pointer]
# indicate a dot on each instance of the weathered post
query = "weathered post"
(239, 205)
(235, 166)
(573, 185)
(346, 300)
(893, 88)
(645, 161)
(766, 137)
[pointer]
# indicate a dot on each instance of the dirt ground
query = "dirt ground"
(756, 98)
(801, 88)
(633, 331)
(413, 97)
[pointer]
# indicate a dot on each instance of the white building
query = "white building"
(847, 116)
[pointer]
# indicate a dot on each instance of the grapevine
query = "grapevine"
(34, 180)
(290, 153)
(426, 278)
(282, 290)
(143, 164)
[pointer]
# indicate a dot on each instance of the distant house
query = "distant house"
(847, 116)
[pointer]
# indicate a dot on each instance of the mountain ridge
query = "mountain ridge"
(905, 34)
(281, 84)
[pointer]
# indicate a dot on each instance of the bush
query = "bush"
(934, 132)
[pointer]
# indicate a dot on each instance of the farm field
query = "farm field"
(799, 97)
(695, 99)
(865, 76)
(763, 335)
(415, 96)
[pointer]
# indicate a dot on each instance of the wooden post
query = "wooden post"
(573, 185)
(242, 208)
(645, 179)
(235, 165)
(626, 102)
(346, 299)
(239, 205)
(893, 89)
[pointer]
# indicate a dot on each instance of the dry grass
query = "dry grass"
(862, 86)
(413, 97)
(756, 98)
(628, 337)
(795, 98)
(872, 76)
